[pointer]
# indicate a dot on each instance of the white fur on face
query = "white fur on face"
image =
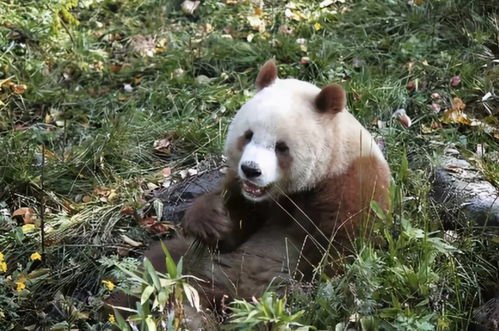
(265, 159)
(282, 112)
(319, 144)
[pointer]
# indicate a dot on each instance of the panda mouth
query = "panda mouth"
(253, 190)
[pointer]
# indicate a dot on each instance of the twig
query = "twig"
(42, 204)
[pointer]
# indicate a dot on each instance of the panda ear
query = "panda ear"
(267, 75)
(331, 98)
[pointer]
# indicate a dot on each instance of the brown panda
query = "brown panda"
(302, 173)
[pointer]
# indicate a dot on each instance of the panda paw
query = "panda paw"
(207, 219)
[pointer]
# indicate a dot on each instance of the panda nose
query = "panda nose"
(250, 170)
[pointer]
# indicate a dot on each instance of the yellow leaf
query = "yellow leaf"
(455, 114)
(108, 285)
(317, 26)
(36, 256)
(28, 228)
(256, 23)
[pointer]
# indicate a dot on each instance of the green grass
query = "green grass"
(98, 135)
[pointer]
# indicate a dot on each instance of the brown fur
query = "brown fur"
(267, 75)
(331, 98)
(246, 245)
(260, 242)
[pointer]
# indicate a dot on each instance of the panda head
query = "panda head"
(280, 141)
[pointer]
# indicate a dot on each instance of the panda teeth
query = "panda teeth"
(252, 188)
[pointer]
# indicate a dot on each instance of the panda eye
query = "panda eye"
(281, 147)
(248, 135)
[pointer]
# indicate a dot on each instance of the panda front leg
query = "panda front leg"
(224, 218)
(207, 219)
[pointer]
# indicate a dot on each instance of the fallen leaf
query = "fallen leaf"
(455, 114)
(435, 95)
(154, 226)
(130, 241)
(102, 191)
(115, 68)
(202, 79)
(326, 3)
(86, 199)
(486, 96)
(144, 45)
(99, 91)
(303, 44)
(148, 221)
(256, 23)
(27, 213)
(163, 146)
(304, 60)
(128, 88)
(129, 210)
(152, 186)
(159, 228)
(436, 107)
(454, 168)
(455, 81)
(123, 251)
(18, 89)
(28, 228)
(166, 172)
(286, 29)
(189, 7)
(402, 117)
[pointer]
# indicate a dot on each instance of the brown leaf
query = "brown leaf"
(127, 210)
(27, 213)
(86, 199)
(159, 228)
(98, 91)
(163, 146)
(455, 114)
(18, 89)
(154, 226)
(115, 68)
(455, 81)
(102, 191)
(166, 172)
(410, 85)
(123, 251)
(148, 221)
(286, 29)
